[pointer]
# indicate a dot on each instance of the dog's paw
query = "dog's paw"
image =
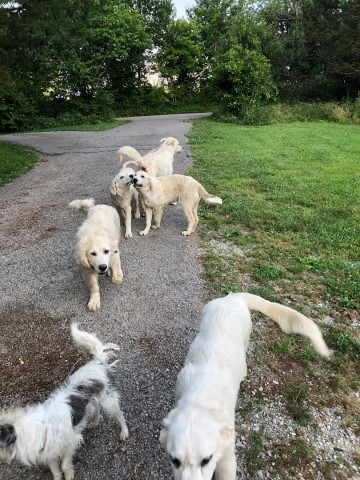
(137, 215)
(185, 233)
(155, 227)
(93, 305)
(143, 232)
(128, 234)
(117, 279)
(124, 434)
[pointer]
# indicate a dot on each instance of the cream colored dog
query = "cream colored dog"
(157, 162)
(122, 191)
(199, 433)
(97, 250)
(156, 193)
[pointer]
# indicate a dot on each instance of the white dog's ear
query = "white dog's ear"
(165, 424)
(225, 432)
(162, 140)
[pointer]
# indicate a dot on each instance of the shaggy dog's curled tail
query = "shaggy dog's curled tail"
(100, 351)
(289, 320)
(82, 205)
(132, 153)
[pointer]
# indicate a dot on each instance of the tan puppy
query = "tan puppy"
(156, 193)
(97, 250)
(122, 191)
(199, 433)
(157, 162)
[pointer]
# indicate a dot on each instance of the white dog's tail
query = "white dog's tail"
(82, 205)
(289, 320)
(90, 342)
(207, 196)
(133, 154)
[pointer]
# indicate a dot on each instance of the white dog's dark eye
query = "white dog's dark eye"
(205, 461)
(122, 176)
(175, 461)
(142, 176)
(93, 254)
(106, 252)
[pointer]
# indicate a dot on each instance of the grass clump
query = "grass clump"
(15, 161)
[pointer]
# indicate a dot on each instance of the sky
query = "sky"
(182, 5)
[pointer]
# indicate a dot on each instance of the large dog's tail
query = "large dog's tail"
(82, 205)
(133, 154)
(100, 351)
(207, 196)
(289, 320)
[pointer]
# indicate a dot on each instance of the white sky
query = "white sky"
(182, 5)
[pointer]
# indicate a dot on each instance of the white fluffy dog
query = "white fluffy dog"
(156, 193)
(157, 162)
(97, 250)
(49, 433)
(199, 433)
(122, 191)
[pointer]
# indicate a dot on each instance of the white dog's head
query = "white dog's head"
(172, 144)
(96, 251)
(123, 179)
(8, 435)
(195, 441)
(141, 180)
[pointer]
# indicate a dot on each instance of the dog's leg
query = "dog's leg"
(127, 210)
(96, 417)
(226, 466)
(148, 213)
(67, 466)
(191, 221)
(111, 406)
(55, 470)
(158, 212)
(116, 272)
(137, 205)
(91, 278)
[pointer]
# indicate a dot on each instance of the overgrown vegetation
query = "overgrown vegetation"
(289, 231)
(84, 61)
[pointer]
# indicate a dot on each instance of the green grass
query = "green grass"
(290, 227)
(91, 127)
(14, 161)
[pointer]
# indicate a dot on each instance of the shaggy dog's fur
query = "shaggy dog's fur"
(122, 191)
(157, 162)
(199, 434)
(156, 193)
(97, 250)
(49, 433)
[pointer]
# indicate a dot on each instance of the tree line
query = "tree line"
(78, 59)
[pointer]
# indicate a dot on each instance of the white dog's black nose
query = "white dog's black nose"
(135, 180)
(102, 268)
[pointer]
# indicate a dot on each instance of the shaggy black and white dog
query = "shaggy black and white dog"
(49, 433)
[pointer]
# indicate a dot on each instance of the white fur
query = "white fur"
(156, 193)
(157, 162)
(45, 433)
(200, 429)
(122, 191)
(97, 250)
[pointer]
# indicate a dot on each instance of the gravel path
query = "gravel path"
(153, 315)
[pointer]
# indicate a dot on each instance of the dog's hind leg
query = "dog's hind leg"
(55, 470)
(192, 220)
(67, 466)
(111, 406)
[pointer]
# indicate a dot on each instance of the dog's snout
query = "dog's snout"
(135, 179)
(103, 267)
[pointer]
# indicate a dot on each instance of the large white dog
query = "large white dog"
(49, 433)
(122, 191)
(199, 433)
(156, 193)
(157, 162)
(97, 250)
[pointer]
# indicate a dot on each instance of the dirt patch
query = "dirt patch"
(36, 354)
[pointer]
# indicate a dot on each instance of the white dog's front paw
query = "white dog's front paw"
(124, 434)
(128, 234)
(117, 279)
(143, 232)
(155, 227)
(94, 305)
(185, 233)
(137, 215)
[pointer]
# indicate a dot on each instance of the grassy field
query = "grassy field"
(14, 161)
(289, 231)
